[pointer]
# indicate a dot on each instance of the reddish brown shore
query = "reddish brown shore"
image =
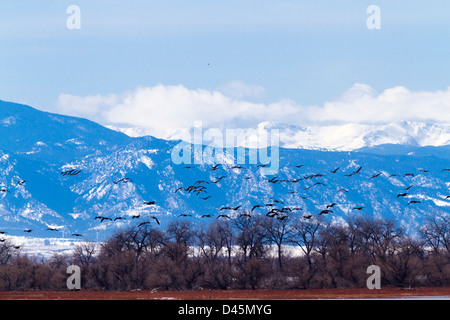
(360, 293)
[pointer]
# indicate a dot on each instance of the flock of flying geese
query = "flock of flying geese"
(199, 187)
(282, 214)
(74, 172)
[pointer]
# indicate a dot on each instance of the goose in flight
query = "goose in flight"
(136, 216)
(354, 172)
(102, 218)
(215, 167)
(156, 219)
(358, 208)
(52, 229)
(119, 218)
(342, 190)
(222, 216)
(331, 205)
(326, 211)
(200, 190)
(124, 180)
(271, 214)
(257, 206)
(218, 179)
(413, 201)
(335, 170)
(200, 181)
(349, 175)
(315, 184)
(180, 188)
(375, 176)
(72, 172)
(21, 182)
(446, 169)
(149, 203)
(184, 215)
(206, 198)
(77, 235)
(273, 179)
(402, 194)
(27, 230)
(143, 223)
(206, 216)
(230, 208)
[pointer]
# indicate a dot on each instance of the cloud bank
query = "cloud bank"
(164, 109)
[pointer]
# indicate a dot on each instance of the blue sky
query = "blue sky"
(305, 52)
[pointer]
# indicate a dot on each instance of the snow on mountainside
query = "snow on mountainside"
(344, 137)
(121, 176)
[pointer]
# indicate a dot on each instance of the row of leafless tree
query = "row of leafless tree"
(256, 252)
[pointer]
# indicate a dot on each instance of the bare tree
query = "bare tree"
(277, 232)
(182, 232)
(215, 246)
(7, 252)
(250, 237)
(84, 254)
(304, 234)
(436, 233)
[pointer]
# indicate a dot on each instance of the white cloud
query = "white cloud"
(91, 107)
(361, 104)
(237, 89)
(163, 109)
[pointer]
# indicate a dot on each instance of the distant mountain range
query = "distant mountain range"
(62, 172)
(345, 137)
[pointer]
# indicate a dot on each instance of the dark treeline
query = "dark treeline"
(244, 253)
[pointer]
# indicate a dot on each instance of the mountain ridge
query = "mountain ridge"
(105, 158)
(345, 137)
